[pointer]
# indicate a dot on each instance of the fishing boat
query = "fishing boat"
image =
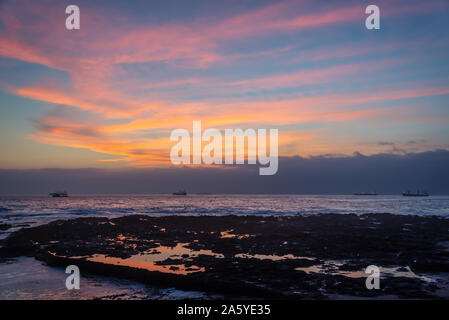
(180, 193)
(59, 194)
(417, 194)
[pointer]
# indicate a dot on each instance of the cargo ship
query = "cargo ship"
(366, 193)
(417, 194)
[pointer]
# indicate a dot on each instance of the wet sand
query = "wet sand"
(290, 257)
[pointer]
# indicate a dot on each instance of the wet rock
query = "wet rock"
(259, 258)
(4, 226)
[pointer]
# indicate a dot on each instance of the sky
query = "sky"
(108, 95)
(387, 174)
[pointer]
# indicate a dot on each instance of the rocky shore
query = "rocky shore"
(4, 226)
(289, 257)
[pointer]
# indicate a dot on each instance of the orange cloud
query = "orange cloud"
(95, 60)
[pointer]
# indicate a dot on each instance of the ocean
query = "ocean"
(35, 210)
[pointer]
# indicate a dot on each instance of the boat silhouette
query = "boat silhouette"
(59, 194)
(365, 193)
(417, 194)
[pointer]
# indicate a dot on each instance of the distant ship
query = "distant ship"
(417, 194)
(180, 193)
(59, 194)
(366, 193)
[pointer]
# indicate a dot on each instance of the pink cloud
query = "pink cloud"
(33, 33)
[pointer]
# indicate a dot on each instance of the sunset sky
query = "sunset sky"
(109, 94)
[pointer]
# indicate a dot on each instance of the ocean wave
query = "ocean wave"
(40, 210)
